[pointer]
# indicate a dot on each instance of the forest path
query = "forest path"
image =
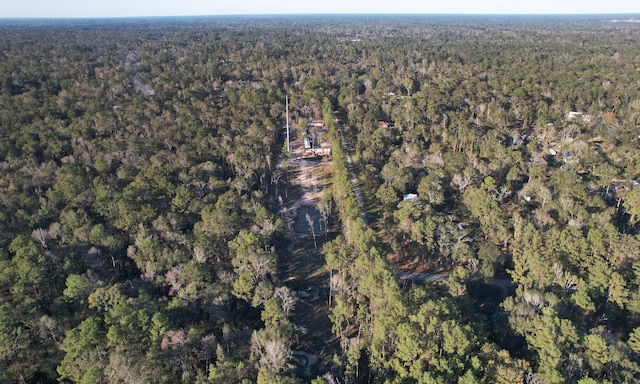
(309, 361)
(425, 277)
(436, 277)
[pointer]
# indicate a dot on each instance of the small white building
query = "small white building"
(410, 197)
(579, 115)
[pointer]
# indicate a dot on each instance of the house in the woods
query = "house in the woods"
(579, 116)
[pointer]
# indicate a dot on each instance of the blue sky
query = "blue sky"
(123, 8)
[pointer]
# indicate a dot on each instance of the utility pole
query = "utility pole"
(288, 140)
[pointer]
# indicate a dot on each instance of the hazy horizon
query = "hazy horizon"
(169, 8)
(635, 17)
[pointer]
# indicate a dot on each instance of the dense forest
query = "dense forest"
(481, 223)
